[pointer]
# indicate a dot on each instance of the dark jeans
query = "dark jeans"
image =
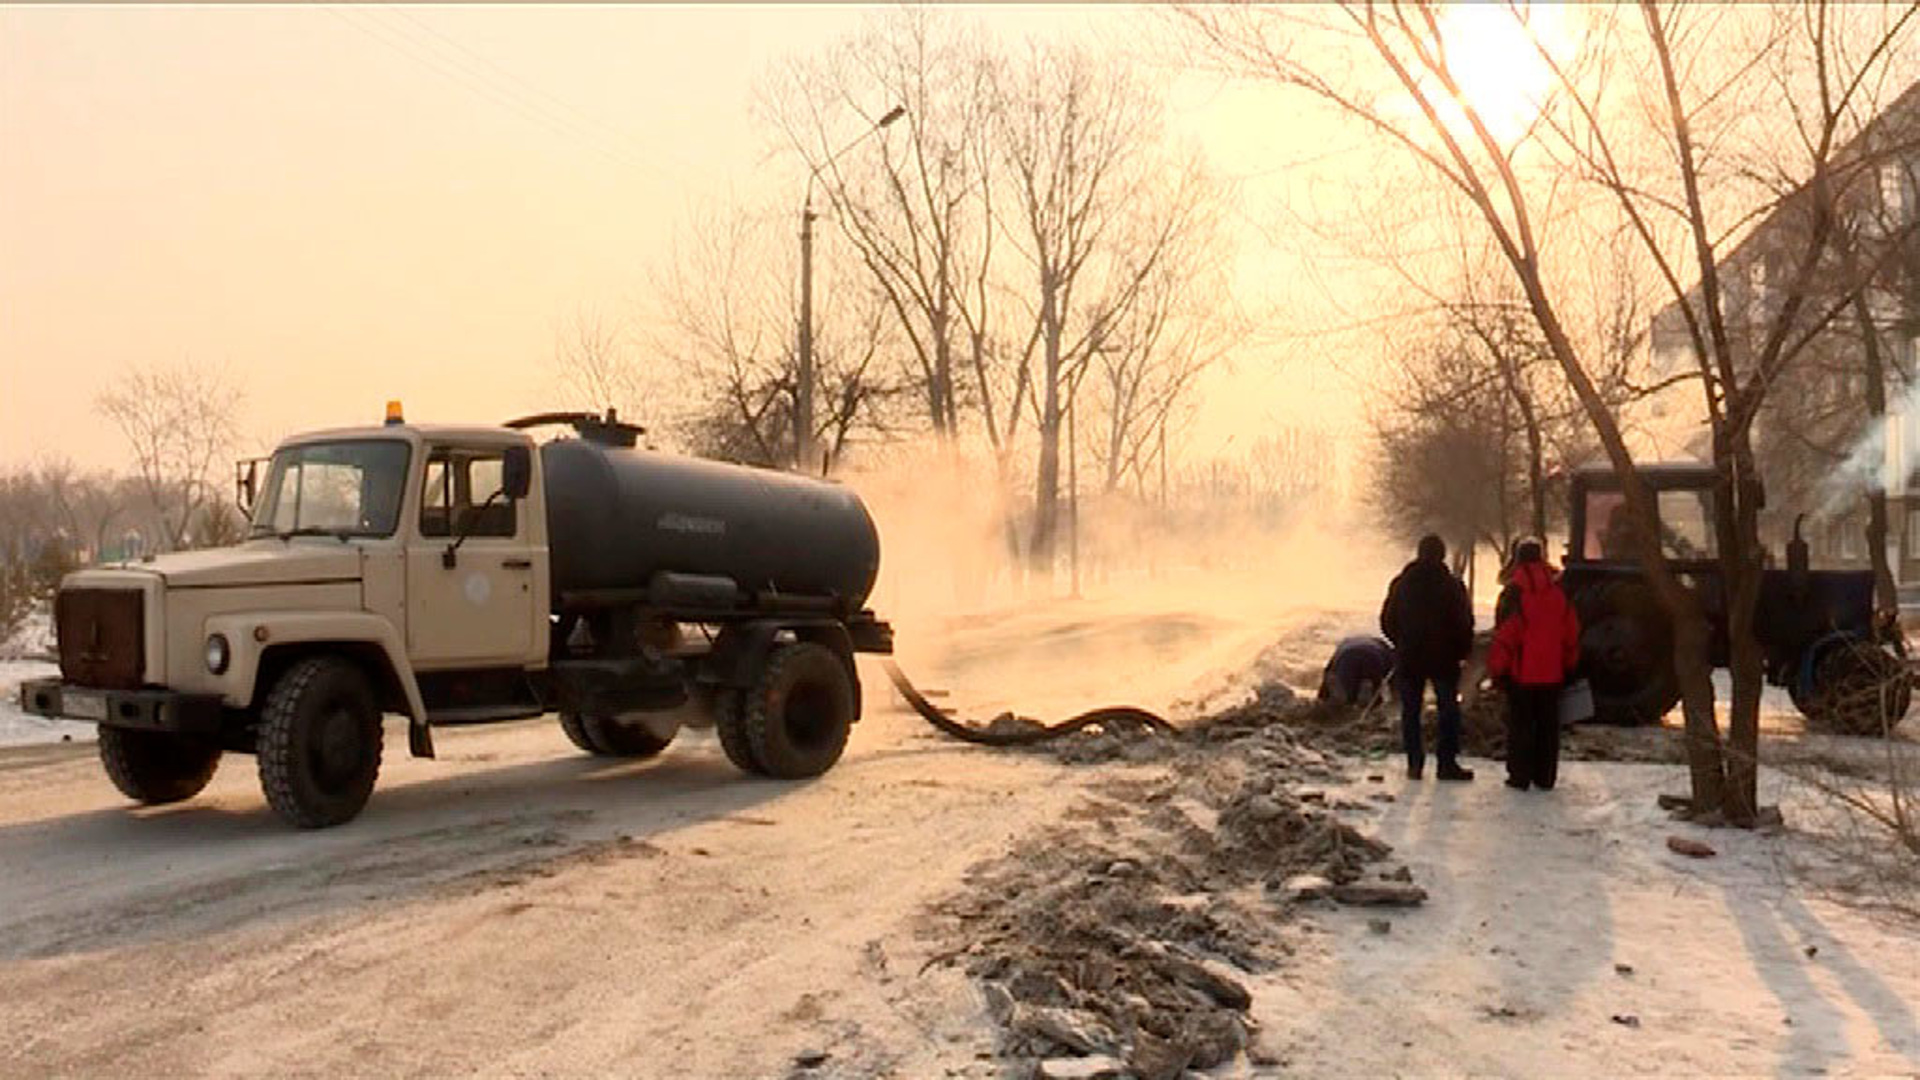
(1533, 735)
(1411, 687)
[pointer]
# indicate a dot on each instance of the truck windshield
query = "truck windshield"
(349, 488)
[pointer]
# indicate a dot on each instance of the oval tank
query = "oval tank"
(617, 516)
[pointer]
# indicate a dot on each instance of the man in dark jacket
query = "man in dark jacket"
(1360, 666)
(1429, 619)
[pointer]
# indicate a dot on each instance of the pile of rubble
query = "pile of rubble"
(1120, 948)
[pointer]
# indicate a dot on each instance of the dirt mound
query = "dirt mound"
(1129, 937)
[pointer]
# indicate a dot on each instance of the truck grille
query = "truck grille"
(102, 640)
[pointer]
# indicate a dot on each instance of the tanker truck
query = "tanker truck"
(469, 574)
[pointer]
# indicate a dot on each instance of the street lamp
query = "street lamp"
(803, 393)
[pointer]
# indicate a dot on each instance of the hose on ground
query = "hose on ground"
(1109, 718)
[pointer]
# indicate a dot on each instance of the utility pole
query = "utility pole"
(803, 392)
(803, 451)
(1073, 501)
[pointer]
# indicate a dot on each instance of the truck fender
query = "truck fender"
(1810, 659)
(742, 650)
(251, 636)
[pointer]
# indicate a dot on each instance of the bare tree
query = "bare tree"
(1179, 325)
(1097, 207)
(918, 207)
(1633, 112)
(594, 363)
(178, 420)
(727, 310)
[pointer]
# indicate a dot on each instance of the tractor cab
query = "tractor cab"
(1601, 529)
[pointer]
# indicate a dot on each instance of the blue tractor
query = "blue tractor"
(1845, 668)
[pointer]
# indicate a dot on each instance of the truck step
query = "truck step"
(483, 714)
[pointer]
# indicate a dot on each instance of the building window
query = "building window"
(1912, 539)
(1893, 193)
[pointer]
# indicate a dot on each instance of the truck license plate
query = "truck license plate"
(83, 705)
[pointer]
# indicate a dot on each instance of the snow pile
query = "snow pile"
(26, 655)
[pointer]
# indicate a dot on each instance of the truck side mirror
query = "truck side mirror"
(516, 472)
(245, 483)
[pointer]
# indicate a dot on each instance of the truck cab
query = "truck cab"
(393, 569)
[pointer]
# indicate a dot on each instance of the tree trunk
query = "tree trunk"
(1884, 589)
(1046, 493)
(1692, 663)
(1737, 520)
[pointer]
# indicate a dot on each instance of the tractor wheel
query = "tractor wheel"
(320, 742)
(1626, 654)
(617, 738)
(730, 723)
(1858, 689)
(156, 767)
(800, 711)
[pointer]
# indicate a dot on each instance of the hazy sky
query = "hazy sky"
(346, 205)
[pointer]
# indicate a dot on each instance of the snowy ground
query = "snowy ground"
(1563, 938)
(515, 908)
(23, 657)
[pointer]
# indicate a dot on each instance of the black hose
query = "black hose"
(1111, 718)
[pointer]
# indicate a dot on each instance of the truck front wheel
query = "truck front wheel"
(320, 742)
(156, 766)
(799, 712)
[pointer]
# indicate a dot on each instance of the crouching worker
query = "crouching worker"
(1357, 672)
(1535, 646)
(1429, 619)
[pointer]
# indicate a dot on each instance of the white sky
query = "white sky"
(343, 206)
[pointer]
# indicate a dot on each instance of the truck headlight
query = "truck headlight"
(218, 654)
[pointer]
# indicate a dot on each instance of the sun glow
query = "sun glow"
(1493, 54)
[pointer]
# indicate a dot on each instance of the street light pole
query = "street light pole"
(803, 450)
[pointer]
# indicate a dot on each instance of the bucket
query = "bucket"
(1576, 703)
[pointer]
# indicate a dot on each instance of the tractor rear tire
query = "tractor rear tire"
(1626, 654)
(800, 711)
(156, 767)
(1858, 689)
(320, 742)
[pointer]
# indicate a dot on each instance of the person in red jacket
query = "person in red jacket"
(1536, 644)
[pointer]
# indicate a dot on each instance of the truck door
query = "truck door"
(479, 611)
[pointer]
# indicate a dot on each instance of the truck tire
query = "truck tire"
(1626, 654)
(800, 711)
(320, 742)
(615, 739)
(730, 723)
(1858, 689)
(575, 726)
(155, 767)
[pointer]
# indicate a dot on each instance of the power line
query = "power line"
(619, 138)
(478, 83)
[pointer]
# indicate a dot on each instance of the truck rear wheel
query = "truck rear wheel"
(730, 723)
(630, 740)
(156, 767)
(576, 728)
(1626, 654)
(320, 742)
(800, 711)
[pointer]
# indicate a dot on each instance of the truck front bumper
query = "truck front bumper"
(146, 710)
